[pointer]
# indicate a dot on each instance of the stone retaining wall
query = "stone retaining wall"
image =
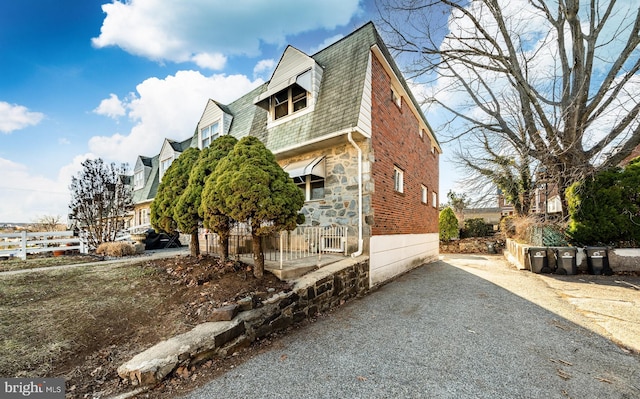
(313, 293)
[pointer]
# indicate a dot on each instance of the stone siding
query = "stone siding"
(339, 207)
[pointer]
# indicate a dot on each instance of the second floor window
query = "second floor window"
(398, 177)
(138, 180)
(288, 101)
(164, 165)
(209, 133)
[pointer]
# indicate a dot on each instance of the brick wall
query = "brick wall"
(396, 142)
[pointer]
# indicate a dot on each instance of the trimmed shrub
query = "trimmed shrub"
(448, 225)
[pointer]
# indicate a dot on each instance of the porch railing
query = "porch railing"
(302, 242)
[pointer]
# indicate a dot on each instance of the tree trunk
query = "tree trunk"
(258, 256)
(224, 246)
(195, 244)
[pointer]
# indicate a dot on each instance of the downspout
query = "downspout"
(360, 222)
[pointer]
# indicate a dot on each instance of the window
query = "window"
(138, 180)
(312, 187)
(398, 179)
(434, 199)
(288, 101)
(396, 98)
(424, 196)
(164, 165)
(209, 133)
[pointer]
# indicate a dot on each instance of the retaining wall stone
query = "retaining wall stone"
(314, 293)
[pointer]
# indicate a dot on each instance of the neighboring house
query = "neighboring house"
(147, 175)
(345, 125)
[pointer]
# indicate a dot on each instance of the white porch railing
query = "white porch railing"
(302, 242)
(23, 243)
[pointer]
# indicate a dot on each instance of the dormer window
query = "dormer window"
(293, 88)
(164, 165)
(288, 101)
(138, 180)
(209, 133)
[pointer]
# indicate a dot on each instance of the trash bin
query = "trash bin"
(538, 260)
(566, 260)
(597, 260)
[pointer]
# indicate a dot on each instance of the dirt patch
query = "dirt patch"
(82, 323)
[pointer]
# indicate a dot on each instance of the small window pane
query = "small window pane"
(398, 180)
(317, 190)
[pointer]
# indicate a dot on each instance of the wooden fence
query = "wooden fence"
(22, 243)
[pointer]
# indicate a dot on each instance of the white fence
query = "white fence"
(23, 243)
(302, 242)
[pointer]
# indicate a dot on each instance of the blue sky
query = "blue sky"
(89, 78)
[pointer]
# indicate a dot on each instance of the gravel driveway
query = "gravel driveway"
(463, 327)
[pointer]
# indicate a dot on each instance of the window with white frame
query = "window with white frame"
(209, 133)
(138, 180)
(398, 179)
(164, 165)
(311, 186)
(434, 199)
(289, 101)
(423, 194)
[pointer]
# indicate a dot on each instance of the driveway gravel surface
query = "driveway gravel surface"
(463, 327)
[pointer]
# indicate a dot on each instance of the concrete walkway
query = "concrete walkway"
(463, 327)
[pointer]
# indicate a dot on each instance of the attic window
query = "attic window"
(138, 180)
(288, 101)
(209, 133)
(396, 98)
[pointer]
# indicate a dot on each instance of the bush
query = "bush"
(116, 249)
(476, 228)
(508, 226)
(605, 209)
(448, 225)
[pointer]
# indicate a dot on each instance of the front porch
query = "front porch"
(287, 254)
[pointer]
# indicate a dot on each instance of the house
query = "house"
(344, 123)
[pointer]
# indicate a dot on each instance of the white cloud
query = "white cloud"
(210, 61)
(168, 108)
(264, 67)
(111, 107)
(16, 117)
(26, 196)
(180, 31)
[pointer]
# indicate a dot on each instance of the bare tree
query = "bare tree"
(570, 66)
(48, 223)
(100, 200)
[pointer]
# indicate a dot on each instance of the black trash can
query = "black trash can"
(566, 260)
(598, 260)
(538, 260)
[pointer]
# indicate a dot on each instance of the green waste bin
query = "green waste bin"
(598, 260)
(566, 260)
(538, 260)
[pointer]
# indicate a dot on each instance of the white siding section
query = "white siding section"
(211, 114)
(392, 255)
(292, 63)
(364, 118)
